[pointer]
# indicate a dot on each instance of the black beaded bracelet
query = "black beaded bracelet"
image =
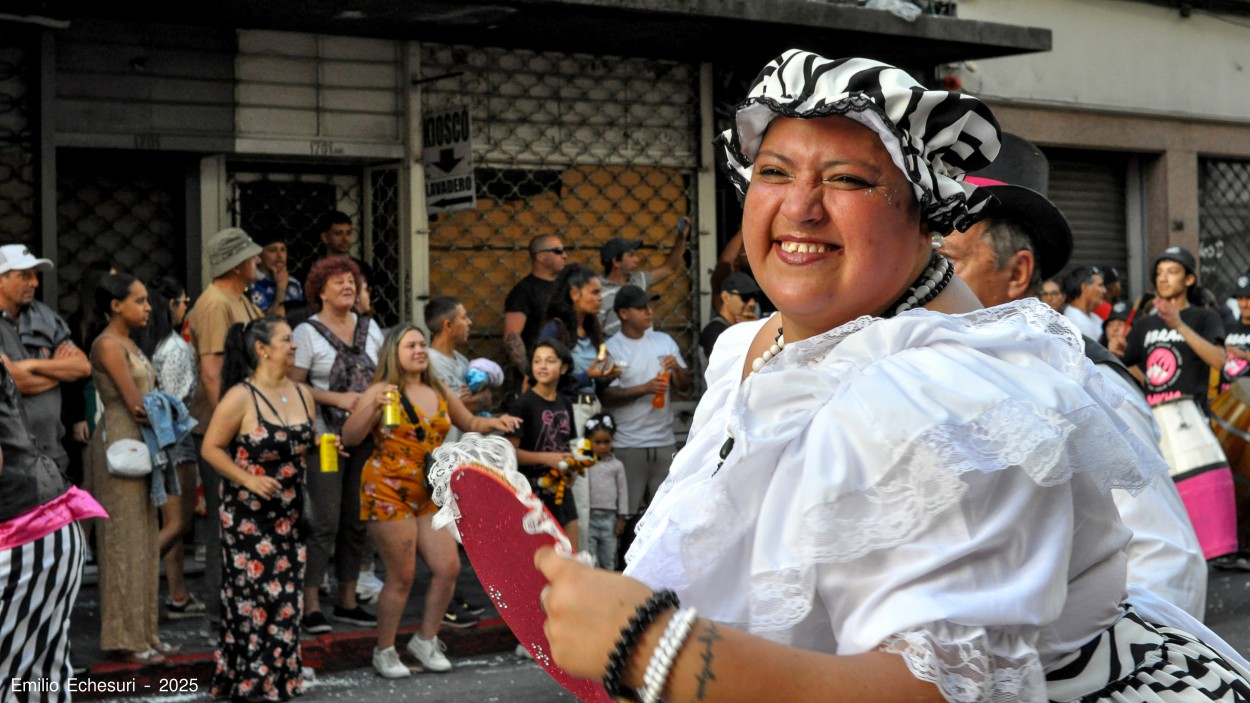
(645, 614)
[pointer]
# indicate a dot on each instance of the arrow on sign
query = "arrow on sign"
(447, 160)
(448, 202)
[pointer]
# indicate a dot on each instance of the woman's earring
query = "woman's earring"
(266, 355)
(935, 240)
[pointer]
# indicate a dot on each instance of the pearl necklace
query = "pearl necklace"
(778, 344)
(933, 280)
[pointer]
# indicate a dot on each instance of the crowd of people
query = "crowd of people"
(231, 390)
(913, 479)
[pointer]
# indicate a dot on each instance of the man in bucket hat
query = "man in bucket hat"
(232, 261)
(1005, 257)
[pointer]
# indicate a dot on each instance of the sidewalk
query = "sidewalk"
(348, 647)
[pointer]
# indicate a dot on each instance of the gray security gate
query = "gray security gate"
(1223, 223)
(585, 147)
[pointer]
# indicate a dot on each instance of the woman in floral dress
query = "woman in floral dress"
(257, 440)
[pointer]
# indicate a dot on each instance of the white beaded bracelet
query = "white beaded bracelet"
(665, 653)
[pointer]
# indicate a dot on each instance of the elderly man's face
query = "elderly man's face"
(974, 262)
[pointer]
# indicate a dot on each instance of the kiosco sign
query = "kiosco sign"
(447, 153)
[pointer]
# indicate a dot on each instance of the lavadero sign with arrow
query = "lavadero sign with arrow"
(447, 152)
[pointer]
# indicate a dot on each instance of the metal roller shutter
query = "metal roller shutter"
(1088, 186)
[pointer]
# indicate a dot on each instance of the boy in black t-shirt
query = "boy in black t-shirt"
(1237, 342)
(1174, 350)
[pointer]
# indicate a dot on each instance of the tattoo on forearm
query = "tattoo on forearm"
(516, 349)
(708, 638)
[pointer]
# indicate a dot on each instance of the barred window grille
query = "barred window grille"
(583, 147)
(130, 212)
(1224, 223)
(18, 124)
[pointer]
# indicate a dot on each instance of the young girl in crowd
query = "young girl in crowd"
(394, 501)
(176, 374)
(258, 439)
(609, 495)
(127, 541)
(546, 428)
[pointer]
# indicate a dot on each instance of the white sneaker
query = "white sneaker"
(429, 653)
(386, 662)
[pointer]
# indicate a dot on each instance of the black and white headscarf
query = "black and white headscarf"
(933, 136)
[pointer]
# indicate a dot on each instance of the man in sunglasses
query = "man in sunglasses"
(527, 301)
(738, 293)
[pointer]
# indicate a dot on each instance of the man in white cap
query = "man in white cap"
(232, 260)
(36, 342)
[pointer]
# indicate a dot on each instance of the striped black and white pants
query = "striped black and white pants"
(1135, 661)
(38, 584)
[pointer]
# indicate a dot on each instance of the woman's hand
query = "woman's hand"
(605, 368)
(553, 459)
(264, 486)
(586, 609)
(346, 401)
(383, 397)
(504, 423)
(82, 432)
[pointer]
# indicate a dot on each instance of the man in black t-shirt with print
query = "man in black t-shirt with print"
(1175, 349)
(1237, 341)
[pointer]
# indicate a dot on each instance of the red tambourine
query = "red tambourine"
(502, 525)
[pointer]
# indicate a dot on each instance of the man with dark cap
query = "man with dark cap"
(1237, 341)
(620, 267)
(639, 401)
(1175, 349)
(1023, 240)
(738, 292)
(1113, 298)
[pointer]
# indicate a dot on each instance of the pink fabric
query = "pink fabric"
(981, 181)
(1210, 501)
(37, 523)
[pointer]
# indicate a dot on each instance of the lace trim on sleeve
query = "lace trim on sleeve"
(967, 667)
(926, 480)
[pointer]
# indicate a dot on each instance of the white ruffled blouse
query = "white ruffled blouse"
(933, 485)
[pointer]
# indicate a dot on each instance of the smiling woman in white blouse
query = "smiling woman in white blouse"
(887, 493)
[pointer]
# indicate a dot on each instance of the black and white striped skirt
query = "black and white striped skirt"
(1137, 661)
(38, 584)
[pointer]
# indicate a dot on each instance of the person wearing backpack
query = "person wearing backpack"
(336, 353)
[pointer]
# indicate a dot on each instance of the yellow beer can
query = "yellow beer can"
(329, 453)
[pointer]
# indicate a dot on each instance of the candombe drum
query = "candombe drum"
(1232, 428)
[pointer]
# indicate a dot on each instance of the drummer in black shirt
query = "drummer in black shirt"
(1237, 342)
(1174, 350)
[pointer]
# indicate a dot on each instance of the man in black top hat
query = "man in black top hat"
(1175, 349)
(1024, 239)
(738, 293)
